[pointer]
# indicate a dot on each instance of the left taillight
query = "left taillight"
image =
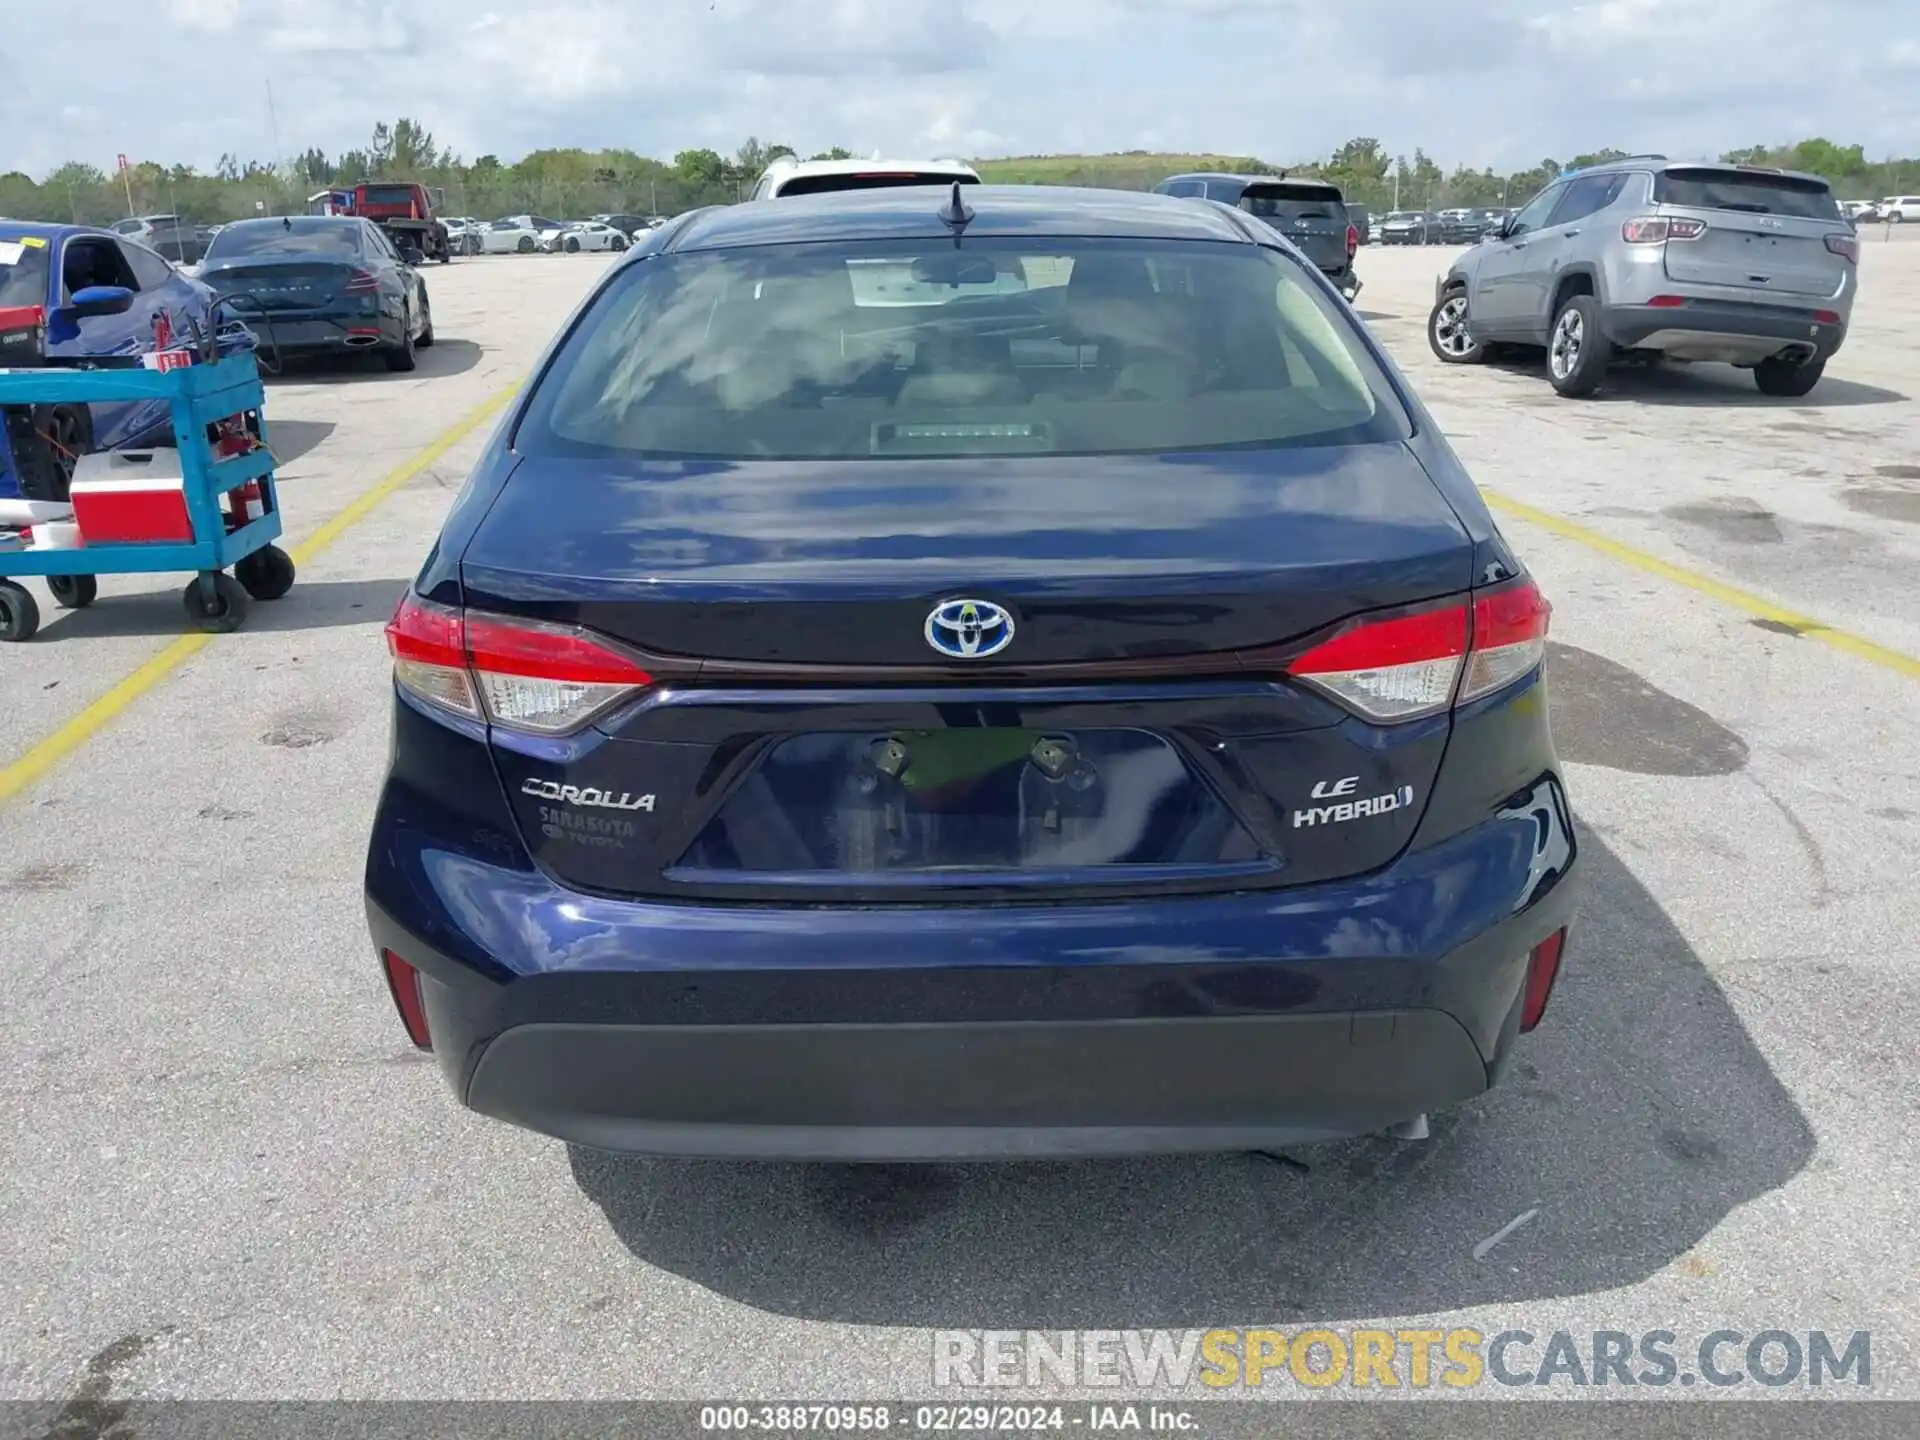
(1407, 666)
(522, 674)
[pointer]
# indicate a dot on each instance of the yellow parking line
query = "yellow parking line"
(31, 767)
(1805, 625)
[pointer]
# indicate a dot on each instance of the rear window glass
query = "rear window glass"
(389, 194)
(271, 237)
(919, 348)
(23, 271)
(1758, 194)
(1293, 202)
(823, 184)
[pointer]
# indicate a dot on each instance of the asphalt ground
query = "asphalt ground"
(224, 1173)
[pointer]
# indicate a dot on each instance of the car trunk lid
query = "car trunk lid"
(803, 741)
(279, 286)
(1765, 232)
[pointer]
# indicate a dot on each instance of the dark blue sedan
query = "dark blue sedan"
(927, 676)
(316, 286)
(44, 267)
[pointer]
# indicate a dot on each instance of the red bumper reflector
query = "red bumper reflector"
(404, 981)
(1827, 317)
(1665, 302)
(1543, 968)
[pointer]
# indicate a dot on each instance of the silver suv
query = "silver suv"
(1651, 259)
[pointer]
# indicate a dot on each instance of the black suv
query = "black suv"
(1310, 213)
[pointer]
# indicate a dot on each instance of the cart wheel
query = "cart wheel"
(229, 608)
(73, 592)
(19, 616)
(266, 574)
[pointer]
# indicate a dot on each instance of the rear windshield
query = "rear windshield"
(822, 184)
(23, 271)
(310, 236)
(1293, 202)
(919, 348)
(389, 194)
(1757, 194)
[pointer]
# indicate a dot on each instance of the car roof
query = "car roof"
(786, 167)
(1663, 163)
(1251, 179)
(998, 210)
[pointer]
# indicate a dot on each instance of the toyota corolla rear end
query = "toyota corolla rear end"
(922, 689)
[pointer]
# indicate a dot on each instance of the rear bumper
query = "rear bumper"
(1722, 330)
(900, 1033)
(976, 1091)
(327, 335)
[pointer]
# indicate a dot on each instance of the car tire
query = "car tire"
(1787, 379)
(573, 246)
(617, 245)
(1447, 333)
(1577, 352)
(425, 342)
(526, 246)
(400, 357)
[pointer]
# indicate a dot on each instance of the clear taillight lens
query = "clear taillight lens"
(1418, 664)
(1658, 229)
(523, 674)
(1845, 245)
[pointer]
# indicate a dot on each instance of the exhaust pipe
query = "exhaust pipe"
(362, 341)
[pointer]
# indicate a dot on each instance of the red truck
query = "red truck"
(405, 211)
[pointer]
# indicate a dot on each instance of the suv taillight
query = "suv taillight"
(1353, 240)
(1658, 229)
(1417, 664)
(1846, 246)
(522, 674)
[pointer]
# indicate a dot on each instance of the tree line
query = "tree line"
(565, 183)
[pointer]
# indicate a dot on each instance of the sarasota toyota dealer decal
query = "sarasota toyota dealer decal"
(586, 796)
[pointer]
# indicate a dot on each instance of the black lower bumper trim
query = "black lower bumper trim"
(976, 1091)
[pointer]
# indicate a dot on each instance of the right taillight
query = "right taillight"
(1407, 666)
(362, 282)
(1658, 229)
(523, 674)
(1845, 245)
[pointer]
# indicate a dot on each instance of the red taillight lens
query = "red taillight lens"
(1412, 665)
(1847, 246)
(525, 675)
(1353, 240)
(404, 981)
(1395, 669)
(1509, 638)
(361, 282)
(1543, 968)
(1658, 229)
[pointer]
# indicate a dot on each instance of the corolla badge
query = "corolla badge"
(969, 629)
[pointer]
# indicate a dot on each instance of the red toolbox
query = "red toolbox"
(131, 497)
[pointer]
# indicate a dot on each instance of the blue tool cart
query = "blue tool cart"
(222, 445)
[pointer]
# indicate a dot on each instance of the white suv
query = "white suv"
(790, 176)
(1900, 207)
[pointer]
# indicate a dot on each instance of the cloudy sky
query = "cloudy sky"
(1499, 82)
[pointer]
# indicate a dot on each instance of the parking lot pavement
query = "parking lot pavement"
(223, 1172)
